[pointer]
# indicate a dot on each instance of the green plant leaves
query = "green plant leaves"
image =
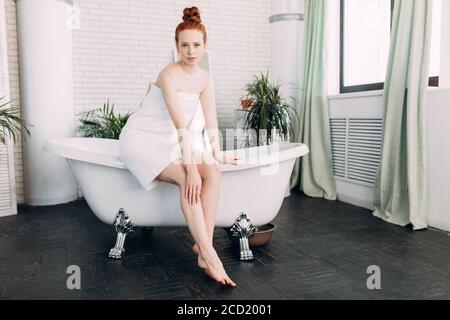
(270, 110)
(102, 122)
(10, 122)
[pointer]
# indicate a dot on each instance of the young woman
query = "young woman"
(159, 143)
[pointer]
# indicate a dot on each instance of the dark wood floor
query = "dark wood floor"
(321, 250)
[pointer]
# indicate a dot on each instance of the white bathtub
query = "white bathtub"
(256, 185)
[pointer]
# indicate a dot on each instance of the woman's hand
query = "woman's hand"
(193, 187)
(221, 159)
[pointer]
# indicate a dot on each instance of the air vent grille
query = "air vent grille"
(356, 148)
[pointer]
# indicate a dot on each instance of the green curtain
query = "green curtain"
(314, 170)
(400, 185)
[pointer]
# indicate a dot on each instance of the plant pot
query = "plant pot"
(262, 235)
(246, 104)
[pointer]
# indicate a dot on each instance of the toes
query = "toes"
(231, 282)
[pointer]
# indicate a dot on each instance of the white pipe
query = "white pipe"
(46, 93)
(286, 23)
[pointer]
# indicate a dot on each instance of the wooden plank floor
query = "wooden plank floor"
(320, 250)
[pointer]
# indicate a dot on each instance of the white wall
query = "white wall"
(123, 44)
(364, 104)
(438, 150)
(13, 64)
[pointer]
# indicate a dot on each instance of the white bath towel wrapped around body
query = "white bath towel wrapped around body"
(148, 142)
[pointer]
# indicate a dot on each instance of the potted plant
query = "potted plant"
(10, 123)
(102, 122)
(269, 111)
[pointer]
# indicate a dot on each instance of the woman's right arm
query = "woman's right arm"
(170, 95)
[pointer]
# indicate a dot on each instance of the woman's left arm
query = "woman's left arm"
(210, 115)
(211, 123)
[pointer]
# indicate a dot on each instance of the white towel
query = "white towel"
(148, 142)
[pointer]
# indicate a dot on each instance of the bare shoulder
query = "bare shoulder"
(168, 73)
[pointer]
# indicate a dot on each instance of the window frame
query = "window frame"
(361, 87)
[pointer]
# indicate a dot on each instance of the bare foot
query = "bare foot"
(219, 273)
(216, 271)
(200, 261)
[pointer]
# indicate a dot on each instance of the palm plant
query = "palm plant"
(10, 122)
(102, 122)
(269, 110)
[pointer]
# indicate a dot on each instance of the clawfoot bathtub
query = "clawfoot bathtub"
(251, 191)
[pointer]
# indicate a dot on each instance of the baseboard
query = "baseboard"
(356, 201)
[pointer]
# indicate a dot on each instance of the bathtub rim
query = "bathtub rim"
(63, 147)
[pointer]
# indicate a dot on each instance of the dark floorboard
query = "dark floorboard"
(320, 250)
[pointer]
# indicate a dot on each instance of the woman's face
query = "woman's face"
(190, 46)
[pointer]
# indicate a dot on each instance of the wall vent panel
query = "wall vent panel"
(356, 148)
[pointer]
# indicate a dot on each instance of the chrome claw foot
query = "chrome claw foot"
(116, 253)
(123, 226)
(244, 230)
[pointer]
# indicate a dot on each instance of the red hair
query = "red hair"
(191, 21)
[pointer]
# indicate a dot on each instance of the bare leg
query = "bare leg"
(210, 195)
(210, 199)
(195, 220)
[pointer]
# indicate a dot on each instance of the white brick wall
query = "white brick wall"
(7, 198)
(13, 62)
(123, 44)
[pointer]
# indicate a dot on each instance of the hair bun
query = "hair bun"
(191, 14)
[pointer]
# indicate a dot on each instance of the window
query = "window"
(365, 37)
(364, 44)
